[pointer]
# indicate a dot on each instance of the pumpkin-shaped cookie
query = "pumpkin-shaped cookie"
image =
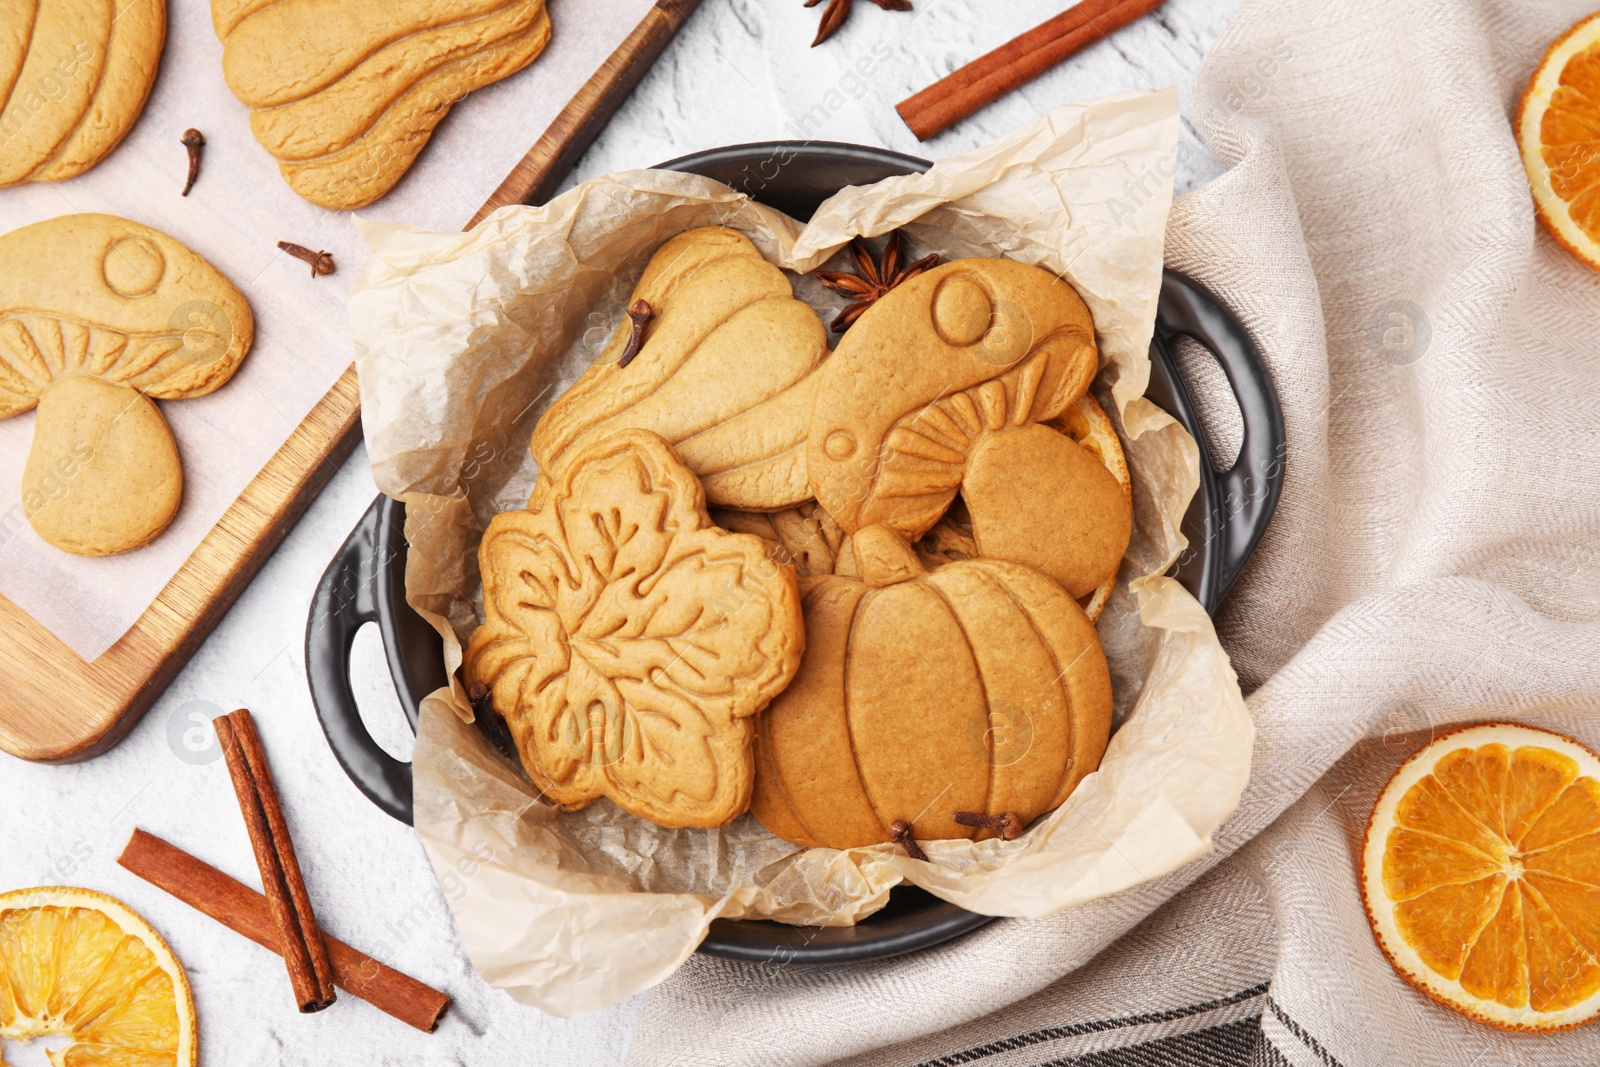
(628, 642)
(727, 374)
(345, 95)
(98, 317)
(978, 687)
(967, 348)
(74, 76)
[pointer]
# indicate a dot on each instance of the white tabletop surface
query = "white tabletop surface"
(739, 71)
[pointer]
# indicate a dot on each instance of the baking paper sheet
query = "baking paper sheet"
(462, 342)
(234, 217)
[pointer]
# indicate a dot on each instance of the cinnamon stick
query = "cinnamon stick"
(244, 911)
(1015, 63)
(300, 940)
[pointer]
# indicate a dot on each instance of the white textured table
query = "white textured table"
(739, 71)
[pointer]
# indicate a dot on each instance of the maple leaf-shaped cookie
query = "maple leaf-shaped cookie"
(628, 641)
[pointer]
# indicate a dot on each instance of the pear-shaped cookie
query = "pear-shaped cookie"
(628, 642)
(99, 316)
(728, 372)
(344, 95)
(968, 348)
(74, 75)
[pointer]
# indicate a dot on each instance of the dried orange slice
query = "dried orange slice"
(80, 963)
(1558, 131)
(1481, 876)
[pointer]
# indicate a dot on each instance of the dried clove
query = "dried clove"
(641, 313)
(901, 830)
(1007, 823)
(193, 140)
(321, 262)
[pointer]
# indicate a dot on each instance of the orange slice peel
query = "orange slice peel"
(1480, 874)
(1558, 133)
(79, 963)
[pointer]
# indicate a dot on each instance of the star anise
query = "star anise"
(839, 10)
(872, 280)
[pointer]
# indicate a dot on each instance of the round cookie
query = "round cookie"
(1087, 425)
(74, 77)
(978, 687)
(98, 316)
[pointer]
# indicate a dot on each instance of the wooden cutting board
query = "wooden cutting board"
(54, 706)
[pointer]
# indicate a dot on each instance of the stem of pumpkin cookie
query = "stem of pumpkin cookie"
(1006, 823)
(901, 830)
(641, 313)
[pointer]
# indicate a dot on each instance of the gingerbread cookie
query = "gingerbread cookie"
(980, 687)
(804, 536)
(948, 540)
(103, 475)
(628, 642)
(74, 77)
(970, 347)
(728, 373)
(345, 95)
(1088, 425)
(98, 316)
(1072, 523)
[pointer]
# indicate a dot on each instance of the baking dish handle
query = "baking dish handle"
(1245, 495)
(346, 600)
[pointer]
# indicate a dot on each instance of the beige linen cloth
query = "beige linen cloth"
(1435, 559)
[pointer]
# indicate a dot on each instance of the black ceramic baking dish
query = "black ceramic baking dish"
(366, 580)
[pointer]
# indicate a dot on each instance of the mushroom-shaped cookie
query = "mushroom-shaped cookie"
(1038, 498)
(628, 642)
(727, 373)
(73, 79)
(99, 316)
(344, 95)
(1056, 497)
(978, 688)
(968, 348)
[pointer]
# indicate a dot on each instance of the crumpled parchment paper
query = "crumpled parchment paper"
(464, 339)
